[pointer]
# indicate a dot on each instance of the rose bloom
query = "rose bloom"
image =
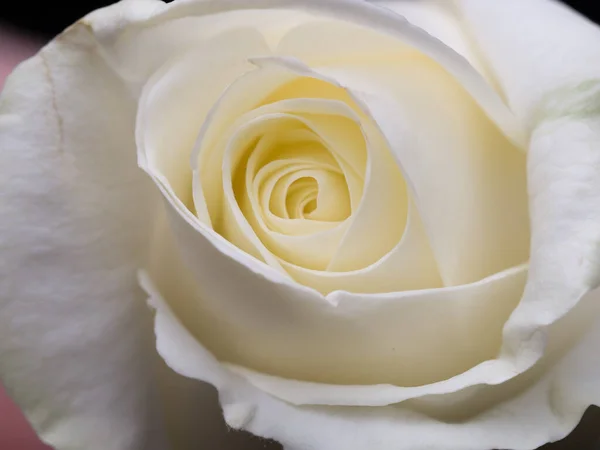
(368, 225)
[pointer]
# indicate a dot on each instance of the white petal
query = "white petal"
(75, 346)
(527, 413)
(385, 37)
(524, 414)
(168, 29)
(435, 18)
(374, 217)
(284, 329)
(192, 409)
(468, 180)
(541, 406)
(409, 265)
(383, 221)
(330, 329)
(548, 58)
(460, 327)
(304, 249)
(176, 101)
(548, 63)
(139, 50)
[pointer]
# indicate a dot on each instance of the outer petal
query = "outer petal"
(154, 38)
(159, 30)
(74, 347)
(541, 406)
(548, 64)
(193, 413)
(371, 16)
(277, 327)
(536, 49)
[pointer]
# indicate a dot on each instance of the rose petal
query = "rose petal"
(527, 413)
(523, 420)
(324, 43)
(162, 29)
(197, 247)
(437, 19)
(372, 215)
(176, 101)
(75, 345)
(548, 66)
(549, 50)
(138, 50)
(468, 180)
(409, 265)
(290, 331)
(186, 400)
(461, 326)
(304, 249)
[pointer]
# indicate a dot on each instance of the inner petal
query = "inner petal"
(384, 204)
(272, 198)
(176, 101)
(271, 176)
(309, 206)
(242, 209)
(332, 202)
(324, 193)
(468, 180)
(299, 195)
(360, 190)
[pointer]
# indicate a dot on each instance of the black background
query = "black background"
(48, 18)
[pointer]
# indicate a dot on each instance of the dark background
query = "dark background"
(47, 18)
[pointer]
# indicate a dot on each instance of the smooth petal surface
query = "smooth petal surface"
(543, 406)
(176, 101)
(530, 411)
(277, 81)
(280, 328)
(151, 38)
(437, 18)
(468, 181)
(531, 61)
(550, 72)
(193, 413)
(358, 12)
(75, 347)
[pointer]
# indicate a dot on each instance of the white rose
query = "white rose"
(377, 225)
